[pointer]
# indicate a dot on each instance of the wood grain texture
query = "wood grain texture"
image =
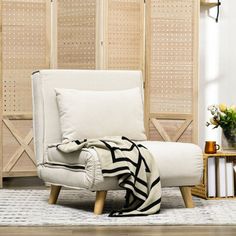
(48, 38)
(148, 48)
(209, 4)
(201, 189)
(172, 64)
(18, 155)
(124, 34)
(195, 59)
(18, 116)
(101, 16)
(24, 142)
(121, 231)
(54, 43)
(25, 48)
(1, 97)
(161, 130)
(54, 193)
(170, 129)
(76, 34)
(100, 201)
(187, 196)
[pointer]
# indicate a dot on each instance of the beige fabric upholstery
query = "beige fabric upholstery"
(187, 157)
(180, 164)
(80, 120)
(46, 118)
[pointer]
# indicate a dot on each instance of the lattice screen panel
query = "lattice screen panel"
(125, 34)
(16, 160)
(76, 34)
(172, 64)
(1, 161)
(171, 128)
(25, 48)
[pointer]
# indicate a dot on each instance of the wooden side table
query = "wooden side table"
(201, 190)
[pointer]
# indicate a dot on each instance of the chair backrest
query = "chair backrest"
(45, 111)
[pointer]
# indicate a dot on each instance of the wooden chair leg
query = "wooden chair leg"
(55, 190)
(99, 203)
(187, 196)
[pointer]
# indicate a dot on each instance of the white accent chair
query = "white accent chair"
(180, 164)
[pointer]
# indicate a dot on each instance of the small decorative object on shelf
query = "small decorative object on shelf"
(217, 4)
(225, 117)
(218, 180)
(211, 147)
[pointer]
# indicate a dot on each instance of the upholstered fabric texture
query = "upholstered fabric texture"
(179, 164)
(46, 120)
(85, 166)
(95, 114)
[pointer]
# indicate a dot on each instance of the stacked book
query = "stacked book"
(221, 174)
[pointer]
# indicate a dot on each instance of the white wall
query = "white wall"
(217, 79)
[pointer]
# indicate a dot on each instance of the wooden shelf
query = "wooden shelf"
(221, 154)
(208, 4)
(201, 189)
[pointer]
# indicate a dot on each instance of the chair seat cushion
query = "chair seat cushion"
(180, 164)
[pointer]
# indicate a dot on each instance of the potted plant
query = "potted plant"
(225, 117)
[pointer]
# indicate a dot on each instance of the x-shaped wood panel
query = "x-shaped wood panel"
(24, 145)
(164, 134)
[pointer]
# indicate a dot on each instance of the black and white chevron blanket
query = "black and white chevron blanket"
(135, 168)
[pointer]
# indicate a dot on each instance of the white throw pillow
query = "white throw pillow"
(96, 114)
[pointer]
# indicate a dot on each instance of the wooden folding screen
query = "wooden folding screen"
(98, 34)
(1, 173)
(124, 34)
(102, 34)
(172, 63)
(74, 34)
(25, 48)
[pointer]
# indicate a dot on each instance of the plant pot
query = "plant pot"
(229, 140)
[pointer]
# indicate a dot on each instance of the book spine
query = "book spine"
(229, 179)
(221, 177)
(211, 174)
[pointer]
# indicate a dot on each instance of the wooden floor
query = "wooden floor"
(34, 183)
(120, 231)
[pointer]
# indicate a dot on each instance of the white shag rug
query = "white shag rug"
(75, 207)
